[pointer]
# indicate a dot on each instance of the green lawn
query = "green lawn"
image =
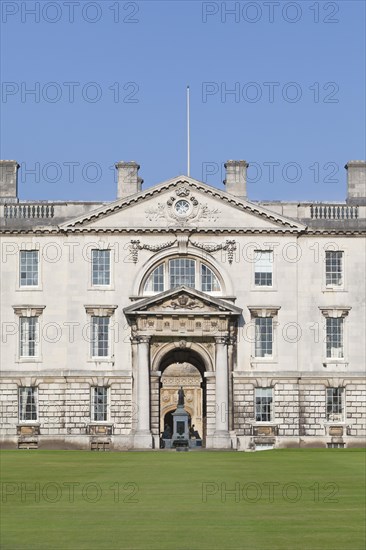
(295, 499)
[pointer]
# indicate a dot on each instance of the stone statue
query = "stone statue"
(181, 397)
(167, 433)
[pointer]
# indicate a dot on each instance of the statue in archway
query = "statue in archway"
(181, 397)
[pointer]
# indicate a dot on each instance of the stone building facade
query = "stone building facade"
(256, 308)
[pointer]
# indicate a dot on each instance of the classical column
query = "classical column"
(221, 437)
(143, 437)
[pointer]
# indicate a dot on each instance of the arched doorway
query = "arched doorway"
(183, 368)
(188, 377)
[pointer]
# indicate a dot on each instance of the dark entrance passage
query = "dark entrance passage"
(183, 368)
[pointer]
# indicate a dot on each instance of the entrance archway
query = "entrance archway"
(188, 377)
(181, 367)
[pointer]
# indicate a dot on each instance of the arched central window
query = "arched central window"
(182, 271)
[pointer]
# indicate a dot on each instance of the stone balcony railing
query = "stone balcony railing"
(53, 213)
(43, 212)
(319, 213)
(28, 211)
(333, 212)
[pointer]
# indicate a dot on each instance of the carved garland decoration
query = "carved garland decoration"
(228, 245)
(135, 246)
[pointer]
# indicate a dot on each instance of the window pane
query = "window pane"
(100, 336)
(209, 280)
(263, 404)
(263, 267)
(28, 336)
(333, 268)
(335, 404)
(99, 404)
(29, 268)
(263, 336)
(334, 337)
(182, 271)
(101, 267)
(27, 404)
(155, 283)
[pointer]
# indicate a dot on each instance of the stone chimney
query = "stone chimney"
(356, 182)
(129, 182)
(236, 178)
(9, 181)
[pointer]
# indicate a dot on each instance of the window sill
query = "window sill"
(29, 360)
(335, 423)
(101, 288)
(101, 360)
(100, 423)
(334, 289)
(37, 288)
(28, 423)
(263, 289)
(335, 363)
(263, 360)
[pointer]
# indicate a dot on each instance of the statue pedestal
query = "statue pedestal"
(180, 436)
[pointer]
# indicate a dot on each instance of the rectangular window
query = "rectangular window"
(28, 337)
(333, 268)
(334, 337)
(101, 267)
(263, 404)
(29, 267)
(263, 268)
(100, 336)
(263, 337)
(27, 404)
(335, 404)
(99, 406)
(182, 272)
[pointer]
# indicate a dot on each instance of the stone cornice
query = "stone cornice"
(264, 311)
(335, 311)
(28, 310)
(188, 230)
(100, 311)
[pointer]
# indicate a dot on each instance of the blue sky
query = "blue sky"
(296, 70)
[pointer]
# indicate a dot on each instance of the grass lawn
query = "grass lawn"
(282, 499)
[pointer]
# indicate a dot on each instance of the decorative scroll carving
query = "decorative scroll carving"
(228, 245)
(182, 191)
(135, 246)
(156, 213)
(195, 212)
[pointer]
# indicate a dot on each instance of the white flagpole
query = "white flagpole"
(188, 135)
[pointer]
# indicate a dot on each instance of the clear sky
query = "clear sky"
(109, 82)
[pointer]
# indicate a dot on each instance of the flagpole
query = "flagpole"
(188, 135)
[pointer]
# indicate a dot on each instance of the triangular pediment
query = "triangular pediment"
(181, 300)
(182, 202)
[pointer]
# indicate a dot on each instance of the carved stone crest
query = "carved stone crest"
(183, 208)
(183, 302)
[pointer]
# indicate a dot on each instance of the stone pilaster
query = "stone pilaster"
(143, 438)
(221, 438)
